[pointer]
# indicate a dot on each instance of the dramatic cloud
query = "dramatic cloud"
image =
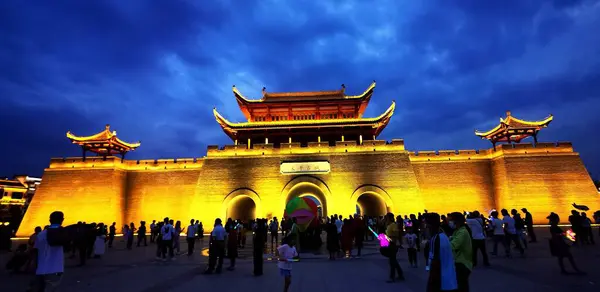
(155, 69)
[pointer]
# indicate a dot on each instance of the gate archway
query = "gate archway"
(243, 204)
(306, 186)
(372, 200)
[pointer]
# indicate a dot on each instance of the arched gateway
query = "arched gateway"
(372, 200)
(242, 204)
(306, 186)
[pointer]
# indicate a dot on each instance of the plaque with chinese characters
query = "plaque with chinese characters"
(312, 167)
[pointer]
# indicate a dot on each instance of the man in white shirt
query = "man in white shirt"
(478, 237)
(191, 237)
(50, 259)
(511, 233)
(498, 228)
(167, 239)
(216, 251)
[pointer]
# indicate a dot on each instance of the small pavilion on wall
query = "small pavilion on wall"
(303, 117)
(514, 130)
(103, 144)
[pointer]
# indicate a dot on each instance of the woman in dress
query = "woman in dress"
(100, 243)
(347, 237)
(176, 243)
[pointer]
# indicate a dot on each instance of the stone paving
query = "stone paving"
(138, 270)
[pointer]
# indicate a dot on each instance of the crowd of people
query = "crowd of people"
(450, 243)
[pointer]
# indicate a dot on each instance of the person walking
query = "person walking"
(558, 247)
(478, 238)
(411, 246)
(111, 234)
(498, 234)
(259, 244)
(511, 233)
(441, 267)
(529, 225)
(232, 247)
(166, 234)
(190, 237)
(274, 229)
(520, 227)
(392, 232)
(462, 250)
(51, 258)
(586, 229)
(176, 237)
(286, 254)
(142, 234)
(153, 232)
(216, 251)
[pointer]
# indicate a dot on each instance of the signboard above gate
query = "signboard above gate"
(312, 167)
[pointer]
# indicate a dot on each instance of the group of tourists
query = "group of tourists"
(450, 243)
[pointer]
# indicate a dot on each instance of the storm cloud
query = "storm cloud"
(155, 69)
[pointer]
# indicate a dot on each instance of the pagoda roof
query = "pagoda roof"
(303, 97)
(277, 97)
(104, 139)
(231, 128)
(514, 129)
(12, 183)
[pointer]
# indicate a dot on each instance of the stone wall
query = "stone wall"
(91, 195)
(547, 177)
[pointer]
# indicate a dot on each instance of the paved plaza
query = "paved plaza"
(138, 270)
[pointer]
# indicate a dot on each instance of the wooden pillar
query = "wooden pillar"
(249, 143)
(342, 138)
(83, 150)
(319, 139)
(266, 140)
(290, 139)
(235, 142)
(359, 139)
(535, 138)
(374, 137)
(123, 156)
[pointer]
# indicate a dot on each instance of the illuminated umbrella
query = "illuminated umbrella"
(303, 209)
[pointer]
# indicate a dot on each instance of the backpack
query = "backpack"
(58, 236)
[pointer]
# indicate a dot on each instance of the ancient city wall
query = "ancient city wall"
(543, 179)
(547, 177)
(93, 195)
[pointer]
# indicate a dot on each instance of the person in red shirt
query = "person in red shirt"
(359, 234)
(347, 237)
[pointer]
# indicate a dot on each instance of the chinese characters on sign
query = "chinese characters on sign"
(313, 167)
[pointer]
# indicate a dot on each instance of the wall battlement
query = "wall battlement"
(311, 148)
(560, 148)
(242, 150)
(113, 162)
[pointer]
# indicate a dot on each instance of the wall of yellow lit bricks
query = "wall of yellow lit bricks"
(545, 178)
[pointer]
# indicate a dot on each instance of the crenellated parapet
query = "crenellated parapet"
(294, 148)
(367, 146)
(113, 162)
(528, 149)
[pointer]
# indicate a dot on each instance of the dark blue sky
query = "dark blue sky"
(155, 69)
